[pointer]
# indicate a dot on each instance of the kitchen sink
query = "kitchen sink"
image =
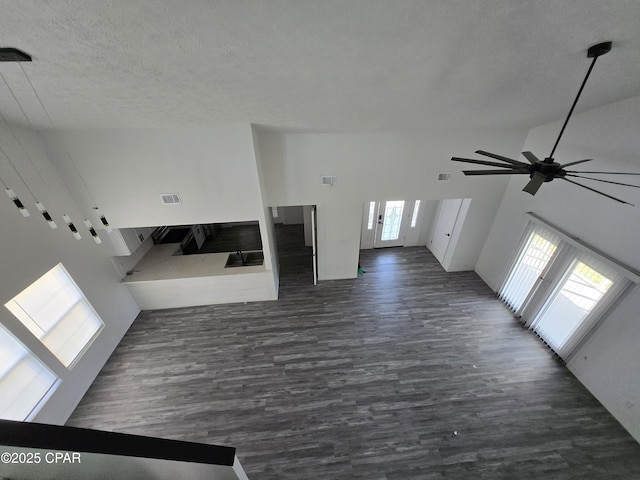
(245, 259)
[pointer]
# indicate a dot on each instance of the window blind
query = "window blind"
(586, 289)
(534, 256)
(24, 380)
(56, 312)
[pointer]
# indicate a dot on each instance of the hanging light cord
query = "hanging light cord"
(36, 94)
(15, 169)
(16, 99)
(4, 183)
(13, 133)
(53, 126)
(39, 205)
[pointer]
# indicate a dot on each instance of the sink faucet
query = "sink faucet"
(239, 252)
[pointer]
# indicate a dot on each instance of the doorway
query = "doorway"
(393, 223)
(445, 233)
(443, 228)
(296, 234)
(390, 224)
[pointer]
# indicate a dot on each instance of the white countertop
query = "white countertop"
(160, 264)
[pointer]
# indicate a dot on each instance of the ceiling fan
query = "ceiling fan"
(541, 171)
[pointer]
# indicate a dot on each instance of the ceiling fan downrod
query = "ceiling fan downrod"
(542, 171)
(593, 52)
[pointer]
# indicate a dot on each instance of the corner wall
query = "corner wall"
(607, 363)
(30, 248)
(376, 167)
(213, 169)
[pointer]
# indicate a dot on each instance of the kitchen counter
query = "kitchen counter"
(161, 263)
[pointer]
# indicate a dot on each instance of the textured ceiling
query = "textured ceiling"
(333, 65)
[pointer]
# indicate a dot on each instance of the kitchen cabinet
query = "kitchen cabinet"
(126, 240)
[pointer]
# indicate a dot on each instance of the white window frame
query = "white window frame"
(569, 249)
(25, 317)
(372, 215)
(414, 215)
(35, 402)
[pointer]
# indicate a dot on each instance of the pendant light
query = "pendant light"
(71, 226)
(46, 215)
(14, 198)
(92, 231)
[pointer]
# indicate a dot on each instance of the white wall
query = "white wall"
(124, 263)
(412, 234)
(293, 215)
(429, 209)
(30, 248)
(376, 166)
(289, 215)
(609, 135)
(212, 168)
(267, 230)
(187, 292)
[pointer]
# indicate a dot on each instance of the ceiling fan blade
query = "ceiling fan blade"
(509, 171)
(605, 173)
(481, 162)
(575, 163)
(535, 183)
(531, 157)
(500, 157)
(596, 191)
(605, 181)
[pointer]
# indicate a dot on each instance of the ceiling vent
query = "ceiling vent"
(444, 177)
(170, 198)
(329, 181)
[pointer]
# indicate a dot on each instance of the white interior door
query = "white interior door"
(445, 222)
(391, 224)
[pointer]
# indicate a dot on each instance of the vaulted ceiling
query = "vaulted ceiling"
(294, 65)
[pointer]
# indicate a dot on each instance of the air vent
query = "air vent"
(170, 198)
(329, 181)
(444, 177)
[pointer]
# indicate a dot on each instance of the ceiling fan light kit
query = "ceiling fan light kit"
(542, 171)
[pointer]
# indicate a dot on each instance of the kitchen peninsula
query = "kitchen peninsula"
(165, 279)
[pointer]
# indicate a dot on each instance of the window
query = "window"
(372, 212)
(414, 217)
(56, 312)
(560, 287)
(538, 249)
(566, 312)
(24, 380)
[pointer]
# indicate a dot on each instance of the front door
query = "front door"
(391, 224)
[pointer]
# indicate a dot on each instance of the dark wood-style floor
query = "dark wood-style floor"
(405, 373)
